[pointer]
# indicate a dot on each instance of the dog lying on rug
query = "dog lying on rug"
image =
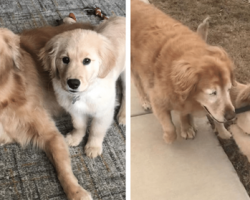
(240, 96)
(27, 108)
(174, 69)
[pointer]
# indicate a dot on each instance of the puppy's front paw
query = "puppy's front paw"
(169, 138)
(121, 117)
(93, 151)
(224, 134)
(79, 194)
(188, 133)
(74, 137)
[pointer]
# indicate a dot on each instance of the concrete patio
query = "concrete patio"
(186, 170)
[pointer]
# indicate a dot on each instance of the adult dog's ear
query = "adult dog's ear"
(13, 42)
(184, 78)
(48, 56)
(107, 55)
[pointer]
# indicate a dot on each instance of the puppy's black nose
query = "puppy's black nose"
(229, 115)
(73, 83)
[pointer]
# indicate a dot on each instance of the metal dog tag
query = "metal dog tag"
(75, 98)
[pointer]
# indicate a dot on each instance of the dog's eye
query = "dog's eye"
(65, 60)
(213, 93)
(86, 61)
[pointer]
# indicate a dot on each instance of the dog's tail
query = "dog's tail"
(202, 29)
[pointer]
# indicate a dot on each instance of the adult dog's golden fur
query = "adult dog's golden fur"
(27, 106)
(240, 96)
(174, 69)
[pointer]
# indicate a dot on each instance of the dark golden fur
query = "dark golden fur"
(174, 69)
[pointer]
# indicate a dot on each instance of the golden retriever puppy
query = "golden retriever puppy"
(84, 66)
(33, 41)
(240, 130)
(24, 114)
(174, 69)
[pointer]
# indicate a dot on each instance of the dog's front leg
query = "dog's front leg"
(57, 150)
(99, 127)
(222, 131)
(80, 125)
(53, 143)
(188, 130)
(164, 116)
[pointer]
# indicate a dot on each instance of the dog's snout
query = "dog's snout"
(229, 115)
(73, 83)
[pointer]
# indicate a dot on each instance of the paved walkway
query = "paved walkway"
(186, 170)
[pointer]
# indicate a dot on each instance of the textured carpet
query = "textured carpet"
(27, 174)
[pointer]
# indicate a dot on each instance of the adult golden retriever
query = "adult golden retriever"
(240, 96)
(174, 69)
(27, 105)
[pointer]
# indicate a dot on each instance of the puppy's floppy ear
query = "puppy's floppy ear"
(107, 55)
(184, 78)
(48, 56)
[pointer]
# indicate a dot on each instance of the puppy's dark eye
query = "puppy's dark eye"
(86, 61)
(65, 60)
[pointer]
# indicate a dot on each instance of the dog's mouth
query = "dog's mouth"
(72, 91)
(211, 115)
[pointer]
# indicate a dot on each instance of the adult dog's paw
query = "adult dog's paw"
(79, 194)
(146, 105)
(93, 151)
(169, 138)
(188, 133)
(74, 138)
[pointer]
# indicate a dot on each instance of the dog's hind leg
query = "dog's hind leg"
(122, 112)
(188, 130)
(4, 137)
(142, 94)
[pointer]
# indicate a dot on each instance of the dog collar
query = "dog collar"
(242, 109)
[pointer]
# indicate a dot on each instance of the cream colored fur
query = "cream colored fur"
(95, 97)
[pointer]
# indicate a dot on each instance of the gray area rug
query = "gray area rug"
(27, 174)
